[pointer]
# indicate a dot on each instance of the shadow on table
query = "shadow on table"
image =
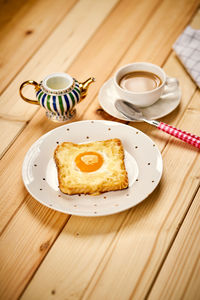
(127, 220)
(86, 226)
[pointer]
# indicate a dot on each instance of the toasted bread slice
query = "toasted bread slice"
(91, 168)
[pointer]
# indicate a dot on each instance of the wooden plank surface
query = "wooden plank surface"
(8, 10)
(141, 39)
(40, 126)
(162, 43)
(179, 278)
(30, 246)
(24, 28)
(82, 257)
(82, 243)
(61, 288)
(14, 127)
(141, 243)
(51, 57)
(196, 20)
(43, 63)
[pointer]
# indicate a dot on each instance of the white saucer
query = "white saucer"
(108, 95)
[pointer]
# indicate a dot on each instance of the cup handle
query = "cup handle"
(29, 82)
(171, 85)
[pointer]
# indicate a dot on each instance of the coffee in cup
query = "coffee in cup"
(142, 84)
(140, 81)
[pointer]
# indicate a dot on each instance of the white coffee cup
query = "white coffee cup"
(147, 98)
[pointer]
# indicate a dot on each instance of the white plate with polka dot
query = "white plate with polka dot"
(143, 163)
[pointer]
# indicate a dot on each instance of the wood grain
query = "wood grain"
(143, 239)
(14, 127)
(80, 248)
(51, 58)
(35, 240)
(161, 45)
(21, 109)
(10, 170)
(97, 258)
(196, 20)
(179, 276)
(8, 10)
(147, 46)
(41, 125)
(24, 29)
(37, 127)
(98, 292)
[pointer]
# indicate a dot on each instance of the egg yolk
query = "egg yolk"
(89, 161)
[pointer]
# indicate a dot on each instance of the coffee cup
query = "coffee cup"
(142, 83)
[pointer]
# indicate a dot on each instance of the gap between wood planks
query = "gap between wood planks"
(115, 237)
(38, 47)
(168, 248)
(117, 63)
(132, 41)
(46, 253)
(69, 216)
(31, 118)
(182, 220)
(195, 22)
(22, 129)
(173, 238)
(183, 217)
(7, 117)
(172, 242)
(114, 67)
(182, 262)
(13, 118)
(104, 11)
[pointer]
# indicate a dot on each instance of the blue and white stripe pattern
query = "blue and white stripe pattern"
(60, 104)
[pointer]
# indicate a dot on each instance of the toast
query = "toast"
(91, 168)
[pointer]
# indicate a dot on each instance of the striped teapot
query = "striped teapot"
(58, 93)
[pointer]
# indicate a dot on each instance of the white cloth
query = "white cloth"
(187, 48)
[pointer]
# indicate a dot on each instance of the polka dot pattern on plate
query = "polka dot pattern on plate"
(143, 163)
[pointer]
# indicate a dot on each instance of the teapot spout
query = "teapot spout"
(84, 86)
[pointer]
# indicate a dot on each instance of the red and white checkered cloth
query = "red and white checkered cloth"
(187, 48)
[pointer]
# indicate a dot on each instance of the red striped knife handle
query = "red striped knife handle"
(182, 135)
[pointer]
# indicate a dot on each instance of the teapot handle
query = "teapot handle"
(25, 83)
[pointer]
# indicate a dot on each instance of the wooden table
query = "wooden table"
(150, 251)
